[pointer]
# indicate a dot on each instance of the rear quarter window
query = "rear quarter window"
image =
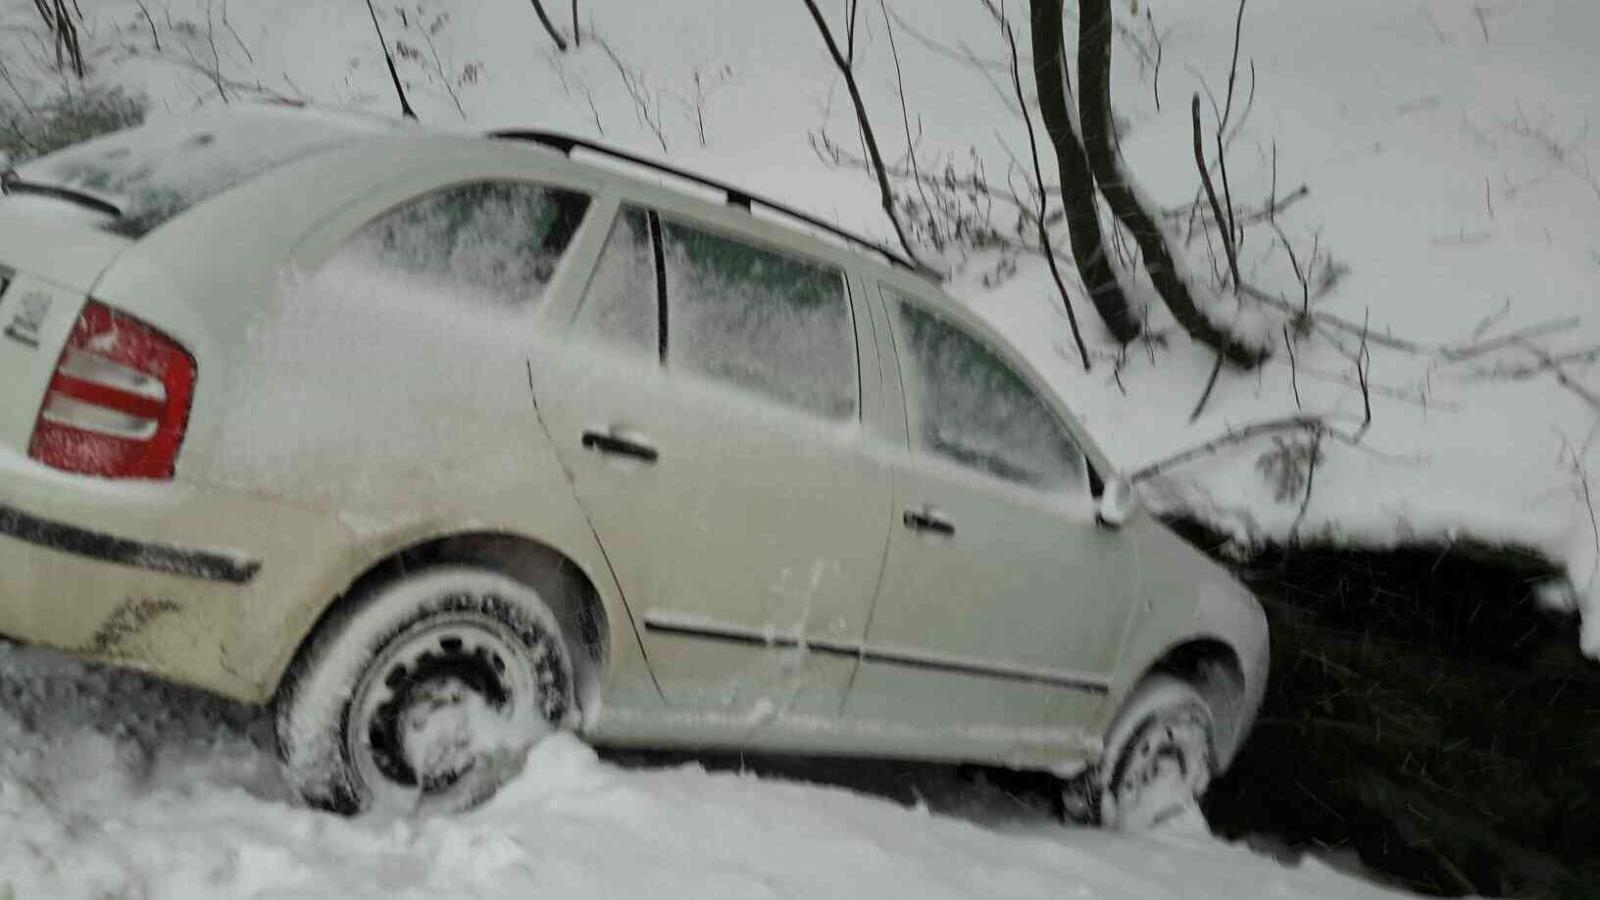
(496, 242)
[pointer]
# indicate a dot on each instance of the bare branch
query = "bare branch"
(1294, 369)
(1211, 193)
(886, 195)
(549, 26)
(394, 74)
(905, 115)
(1211, 383)
(1547, 362)
(152, 23)
(1239, 436)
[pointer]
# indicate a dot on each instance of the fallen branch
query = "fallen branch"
(1548, 362)
(1238, 436)
(1446, 352)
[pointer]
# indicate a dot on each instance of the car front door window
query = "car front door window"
(967, 405)
(495, 242)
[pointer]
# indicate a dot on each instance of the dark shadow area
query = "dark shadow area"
(1426, 713)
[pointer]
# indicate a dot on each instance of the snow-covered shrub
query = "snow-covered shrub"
(40, 128)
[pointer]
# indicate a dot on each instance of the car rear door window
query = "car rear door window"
(621, 306)
(491, 241)
(967, 405)
(765, 321)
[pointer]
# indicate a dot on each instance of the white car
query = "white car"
(439, 442)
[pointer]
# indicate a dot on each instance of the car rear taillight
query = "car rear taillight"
(118, 403)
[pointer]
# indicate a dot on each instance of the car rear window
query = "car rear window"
(157, 171)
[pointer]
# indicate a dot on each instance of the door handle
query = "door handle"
(609, 443)
(930, 521)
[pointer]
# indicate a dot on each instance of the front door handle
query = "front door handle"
(612, 444)
(929, 521)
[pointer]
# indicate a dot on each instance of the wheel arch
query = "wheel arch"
(1212, 667)
(560, 582)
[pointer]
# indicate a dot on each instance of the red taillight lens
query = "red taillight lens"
(118, 403)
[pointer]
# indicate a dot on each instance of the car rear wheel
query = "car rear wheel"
(424, 693)
(1159, 755)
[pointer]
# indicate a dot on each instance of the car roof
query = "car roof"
(408, 151)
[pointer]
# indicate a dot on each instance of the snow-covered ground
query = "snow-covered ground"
(114, 786)
(1447, 148)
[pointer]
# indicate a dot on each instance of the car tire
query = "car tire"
(424, 693)
(1159, 757)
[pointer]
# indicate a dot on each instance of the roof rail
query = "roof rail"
(735, 196)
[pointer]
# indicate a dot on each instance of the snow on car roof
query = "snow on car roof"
(157, 171)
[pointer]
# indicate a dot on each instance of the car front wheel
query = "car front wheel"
(1159, 756)
(424, 693)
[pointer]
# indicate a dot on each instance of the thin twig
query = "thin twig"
(642, 102)
(905, 115)
(394, 74)
(1211, 194)
(1363, 367)
(850, 31)
(438, 66)
(152, 22)
(1211, 383)
(1294, 369)
(1311, 477)
(1237, 436)
(1550, 363)
(1038, 177)
(886, 195)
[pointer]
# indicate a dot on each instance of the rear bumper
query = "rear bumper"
(206, 587)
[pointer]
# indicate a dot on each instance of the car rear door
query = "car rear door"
(1002, 603)
(708, 409)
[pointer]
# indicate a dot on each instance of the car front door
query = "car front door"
(708, 409)
(1000, 605)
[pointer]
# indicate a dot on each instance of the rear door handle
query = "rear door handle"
(612, 444)
(929, 520)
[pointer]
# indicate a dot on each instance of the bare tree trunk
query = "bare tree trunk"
(1095, 28)
(866, 133)
(1077, 180)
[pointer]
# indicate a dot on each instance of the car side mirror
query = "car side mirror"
(1118, 500)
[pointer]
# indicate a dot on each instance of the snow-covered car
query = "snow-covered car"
(439, 442)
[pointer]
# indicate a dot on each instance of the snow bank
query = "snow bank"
(113, 785)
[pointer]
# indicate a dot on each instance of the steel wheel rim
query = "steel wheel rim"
(444, 714)
(1168, 765)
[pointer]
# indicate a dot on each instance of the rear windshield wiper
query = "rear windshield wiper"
(12, 183)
